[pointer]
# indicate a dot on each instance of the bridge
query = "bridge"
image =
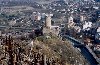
(84, 50)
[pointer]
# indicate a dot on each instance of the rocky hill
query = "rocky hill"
(43, 50)
(55, 48)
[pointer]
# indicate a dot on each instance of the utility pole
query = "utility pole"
(45, 60)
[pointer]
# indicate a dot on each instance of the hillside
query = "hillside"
(43, 50)
(57, 49)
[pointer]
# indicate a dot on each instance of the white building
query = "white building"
(87, 25)
(12, 23)
(71, 22)
(37, 17)
(98, 30)
(82, 18)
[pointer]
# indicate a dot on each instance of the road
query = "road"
(85, 52)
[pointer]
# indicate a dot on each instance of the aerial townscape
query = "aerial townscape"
(49, 32)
